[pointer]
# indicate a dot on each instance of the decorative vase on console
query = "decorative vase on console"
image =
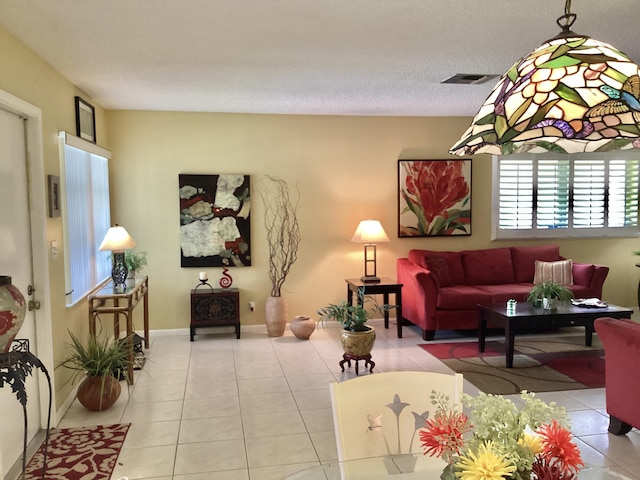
(12, 311)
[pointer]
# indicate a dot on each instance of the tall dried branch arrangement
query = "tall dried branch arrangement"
(283, 231)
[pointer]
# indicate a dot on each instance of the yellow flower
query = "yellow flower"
(487, 464)
(531, 443)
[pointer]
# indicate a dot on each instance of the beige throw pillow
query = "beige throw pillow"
(560, 272)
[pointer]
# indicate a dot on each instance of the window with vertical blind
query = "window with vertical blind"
(555, 195)
(86, 216)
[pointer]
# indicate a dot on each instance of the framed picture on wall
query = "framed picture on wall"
(53, 186)
(434, 198)
(214, 220)
(85, 120)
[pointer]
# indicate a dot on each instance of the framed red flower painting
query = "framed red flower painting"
(434, 198)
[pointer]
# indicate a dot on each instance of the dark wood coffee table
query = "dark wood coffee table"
(528, 317)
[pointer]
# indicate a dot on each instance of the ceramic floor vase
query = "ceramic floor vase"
(96, 396)
(12, 311)
(302, 326)
(276, 316)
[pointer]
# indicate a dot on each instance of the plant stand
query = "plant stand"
(346, 358)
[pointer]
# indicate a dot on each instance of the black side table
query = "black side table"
(384, 287)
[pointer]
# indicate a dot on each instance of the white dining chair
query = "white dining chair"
(381, 414)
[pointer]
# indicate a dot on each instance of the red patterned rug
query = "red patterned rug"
(87, 453)
(546, 363)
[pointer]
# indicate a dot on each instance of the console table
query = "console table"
(104, 299)
(385, 286)
(215, 307)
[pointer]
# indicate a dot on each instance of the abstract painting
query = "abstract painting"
(214, 220)
(434, 198)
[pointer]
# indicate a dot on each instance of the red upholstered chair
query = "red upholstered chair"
(621, 341)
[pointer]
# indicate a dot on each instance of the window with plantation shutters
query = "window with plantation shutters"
(554, 195)
(85, 214)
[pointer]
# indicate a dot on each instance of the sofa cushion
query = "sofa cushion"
(419, 257)
(560, 272)
(502, 293)
(487, 267)
(524, 260)
(461, 297)
(440, 268)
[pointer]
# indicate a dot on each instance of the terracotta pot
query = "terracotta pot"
(276, 316)
(358, 344)
(96, 396)
(302, 326)
(12, 312)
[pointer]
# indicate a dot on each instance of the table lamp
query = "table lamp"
(117, 240)
(370, 232)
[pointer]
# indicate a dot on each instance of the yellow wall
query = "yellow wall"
(346, 171)
(25, 75)
(344, 167)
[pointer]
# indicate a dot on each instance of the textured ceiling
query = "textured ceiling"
(343, 57)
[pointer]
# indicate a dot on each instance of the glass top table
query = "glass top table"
(410, 466)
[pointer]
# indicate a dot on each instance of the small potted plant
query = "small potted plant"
(549, 293)
(134, 261)
(103, 362)
(357, 337)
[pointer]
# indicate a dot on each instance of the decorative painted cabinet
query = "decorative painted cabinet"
(215, 308)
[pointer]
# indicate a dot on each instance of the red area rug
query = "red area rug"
(545, 363)
(87, 453)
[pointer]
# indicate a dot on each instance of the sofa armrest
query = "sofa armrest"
(591, 276)
(419, 293)
(621, 341)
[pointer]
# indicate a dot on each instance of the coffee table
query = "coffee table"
(527, 317)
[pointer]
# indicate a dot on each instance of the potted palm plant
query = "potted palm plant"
(357, 337)
(102, 362)
(548, 293)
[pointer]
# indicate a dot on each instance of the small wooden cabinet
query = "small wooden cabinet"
(215, 308)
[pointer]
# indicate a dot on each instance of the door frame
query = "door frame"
(40, 259)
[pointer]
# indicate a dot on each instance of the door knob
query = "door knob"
(33, 305)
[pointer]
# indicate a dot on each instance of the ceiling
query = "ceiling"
(342, 57)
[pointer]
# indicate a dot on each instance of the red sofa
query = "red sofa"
(621, 341)
(441, 290)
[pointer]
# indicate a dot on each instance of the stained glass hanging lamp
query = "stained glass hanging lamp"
(571, 94)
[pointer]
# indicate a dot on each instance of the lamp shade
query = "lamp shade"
(117, 239)
(572, 94)
(370, 231)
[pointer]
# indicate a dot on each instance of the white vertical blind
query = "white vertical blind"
(86, 214)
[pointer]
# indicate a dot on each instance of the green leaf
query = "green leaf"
(564, 61)
(570, 94)
(542, 112)
(488, 119)
(614, 145)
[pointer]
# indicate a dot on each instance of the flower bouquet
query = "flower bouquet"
(498, 440)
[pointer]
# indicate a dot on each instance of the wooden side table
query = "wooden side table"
(385, 286)
(105, 299)
(215, 307)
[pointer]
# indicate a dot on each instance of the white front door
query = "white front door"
(16, 261)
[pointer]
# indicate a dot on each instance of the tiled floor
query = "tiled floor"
(258, 408)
